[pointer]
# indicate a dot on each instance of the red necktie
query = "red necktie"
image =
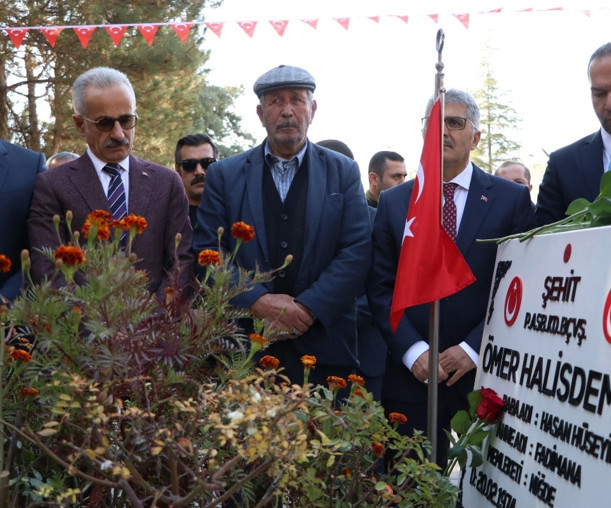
(449, 209)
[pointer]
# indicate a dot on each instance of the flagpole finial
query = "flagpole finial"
(439, 65)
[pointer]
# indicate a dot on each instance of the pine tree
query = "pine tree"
(497, 122)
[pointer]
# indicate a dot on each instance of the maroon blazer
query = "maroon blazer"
(155, 193)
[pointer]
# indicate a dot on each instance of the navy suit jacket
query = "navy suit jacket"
(155, 193)
(337, 243)
(495, 207)
(18, 169)
(572, 172)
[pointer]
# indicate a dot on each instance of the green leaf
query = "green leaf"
(605, 185)
(460, 422)
(456, 451)
(476, 458)
(474, 398)
(477, 438)
(577, 206)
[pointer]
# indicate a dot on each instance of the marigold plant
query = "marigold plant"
(131, 401)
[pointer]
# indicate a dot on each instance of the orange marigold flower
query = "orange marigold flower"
(243, 231)
(359, 393)
(347, 473)
(135, 221)
(208, 257)
(308, 361)
(399, 418)
(269, 362)
(378, 448)
(21, 355)
(356, 380)
(5, 263)
(336, 382)
(103, 232)
(70, 255)
(29, 391)
(259, 339)
(99, 217)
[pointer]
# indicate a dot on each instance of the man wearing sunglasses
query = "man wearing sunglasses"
(302, 200)
(482, 206)
(193, 154)
(109, 177)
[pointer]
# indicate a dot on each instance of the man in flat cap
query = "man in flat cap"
(304, 200)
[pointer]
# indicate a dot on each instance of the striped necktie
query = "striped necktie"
(116, 192)
(116, 197)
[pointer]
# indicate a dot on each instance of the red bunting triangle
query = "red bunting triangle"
(343, 21)
(434, 17)
(279, 26)
(116, 33)
(375, 18)
(148, 32)
(463, 18)
(216, 28)
(84, 34)
(16, 35)
(494, 11)
(404, 18)
(51, 34)
(182, 30)
(312, 22)
(248, 27)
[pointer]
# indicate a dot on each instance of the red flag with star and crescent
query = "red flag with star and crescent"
(430, 265)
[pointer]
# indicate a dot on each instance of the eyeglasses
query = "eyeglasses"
(453, 123)
(106, 123)
(190, 165)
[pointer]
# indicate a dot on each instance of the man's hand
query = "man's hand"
(420, 369)
(455, 361)
(284, 313)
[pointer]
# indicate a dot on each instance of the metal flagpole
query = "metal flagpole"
(431, 422)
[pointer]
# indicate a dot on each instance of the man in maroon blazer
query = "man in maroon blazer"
(105, 115)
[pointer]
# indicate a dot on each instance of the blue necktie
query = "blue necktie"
(116, 195)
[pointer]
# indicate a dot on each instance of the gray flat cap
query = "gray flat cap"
(284, 76)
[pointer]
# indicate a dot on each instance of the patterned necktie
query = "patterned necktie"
(449, 209)
(116, 197)
(116, 192)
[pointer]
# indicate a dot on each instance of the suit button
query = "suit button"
(284, 244)
(284, 216)
(282, 274)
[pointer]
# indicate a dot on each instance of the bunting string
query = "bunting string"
(149, 30)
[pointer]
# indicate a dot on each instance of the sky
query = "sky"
(374, 78)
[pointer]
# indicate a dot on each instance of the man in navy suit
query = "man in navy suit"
(574, 171)
(487, 207)
(303, 200)
(105, 115)
(18, 169)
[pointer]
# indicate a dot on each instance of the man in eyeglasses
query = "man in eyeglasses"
(302, 200)
(194, 153)
(109, 177)
(484, 206)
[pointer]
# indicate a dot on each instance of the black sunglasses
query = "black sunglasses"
(189, 165)
(106, 123)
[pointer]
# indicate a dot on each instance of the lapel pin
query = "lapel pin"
(484, 199)
(144, 173)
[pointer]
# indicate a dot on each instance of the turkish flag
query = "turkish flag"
(430, 265)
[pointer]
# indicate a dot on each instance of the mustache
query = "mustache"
(287, 124)
(197, 179)
(448, 143)
(113, 143)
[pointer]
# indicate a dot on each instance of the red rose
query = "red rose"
(490, 407)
